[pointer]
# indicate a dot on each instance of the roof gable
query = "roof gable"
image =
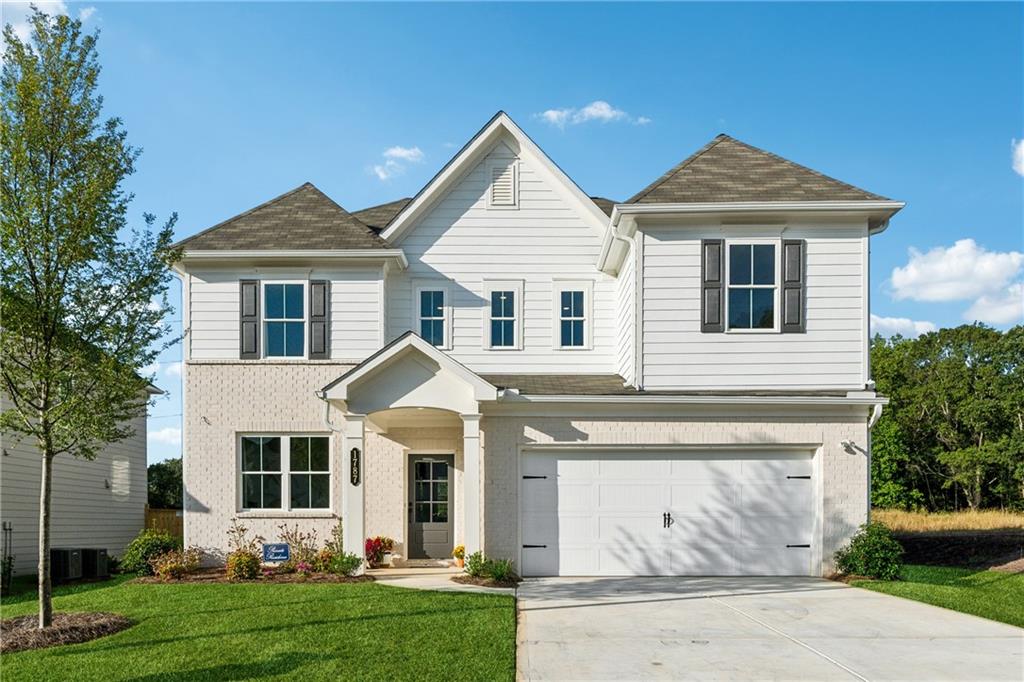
(500, 126)
(304, 218)
(727, 170)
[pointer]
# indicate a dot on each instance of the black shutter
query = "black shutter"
(712, 278)
(249, 313)
(794, 288)
(319, 326)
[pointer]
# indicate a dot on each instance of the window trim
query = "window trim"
(264, 320)
(587, 287)
(420, 287)
(776, 286)
(285, 471)
(516, 286)
(514, 165)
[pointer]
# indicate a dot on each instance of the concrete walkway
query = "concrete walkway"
(751, 629)
(429, 579)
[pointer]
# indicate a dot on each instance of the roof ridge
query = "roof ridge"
(342, 208)
(248, 212)
(675, 169)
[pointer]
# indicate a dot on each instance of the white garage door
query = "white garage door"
(630, 513)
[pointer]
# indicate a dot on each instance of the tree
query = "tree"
(165, 484)
(84, 294)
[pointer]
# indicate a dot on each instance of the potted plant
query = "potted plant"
(460, 555)
(378, 551)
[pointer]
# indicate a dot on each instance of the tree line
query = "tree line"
(952, 436)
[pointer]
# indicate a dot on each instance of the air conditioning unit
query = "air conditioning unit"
(65, 564)
(94, 563)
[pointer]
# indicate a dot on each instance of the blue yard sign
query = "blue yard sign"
(275, 552)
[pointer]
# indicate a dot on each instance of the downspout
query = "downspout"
(631, 242)
(876, 414)
(327, 412)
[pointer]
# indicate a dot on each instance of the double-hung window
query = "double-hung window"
(284, 320)
(753, 286)
(572, 304)
(285, 472)
(432, 316)
(503, 323)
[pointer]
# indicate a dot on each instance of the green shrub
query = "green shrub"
(175, 564)
(501, 570)
(147, 544)
(344, 564)
(242, 565)
(873, 552)
(476, 565)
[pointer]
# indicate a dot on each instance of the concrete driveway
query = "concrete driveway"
(750, 629)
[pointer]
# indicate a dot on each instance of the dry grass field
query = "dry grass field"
(925, 522)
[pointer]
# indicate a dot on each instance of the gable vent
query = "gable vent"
(504, 189)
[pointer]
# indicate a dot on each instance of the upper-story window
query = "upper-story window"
(572, 325)
(284, 320)
(433, 316)
(503, 323)
(753, 286)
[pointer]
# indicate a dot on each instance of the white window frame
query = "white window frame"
(776, 287)
(587, 287)
(514, 165)
(516, 287)
(264, 319)
(419, 288)
(285, 473)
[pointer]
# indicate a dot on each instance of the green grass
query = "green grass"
(989, 594)
(277, 631)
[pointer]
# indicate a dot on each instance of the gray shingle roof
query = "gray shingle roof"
(561, 384)
(726, 169)
(304, 218)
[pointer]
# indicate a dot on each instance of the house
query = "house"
(673, 384)
(98, 503)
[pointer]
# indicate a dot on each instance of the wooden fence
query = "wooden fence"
(169, 520)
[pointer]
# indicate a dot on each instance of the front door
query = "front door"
(430, 508)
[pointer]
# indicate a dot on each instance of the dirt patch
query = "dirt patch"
(980, 549)
(22, 633)
(485, 582)
(217, 575)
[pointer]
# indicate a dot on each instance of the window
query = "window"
(284, 320)
(572, 314)
(432, 316)
(503, 319)
(431, 494)
(751, 299)
(299, 481)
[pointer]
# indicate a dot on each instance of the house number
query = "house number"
(355, 466)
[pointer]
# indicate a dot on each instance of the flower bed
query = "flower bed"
(481, 581)
(219, 575)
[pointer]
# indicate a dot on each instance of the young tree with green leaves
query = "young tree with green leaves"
(164, 482)
(84, 294)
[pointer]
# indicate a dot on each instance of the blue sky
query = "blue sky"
(237, 103)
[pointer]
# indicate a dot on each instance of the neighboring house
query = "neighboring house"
(99, 503)
(675, 384)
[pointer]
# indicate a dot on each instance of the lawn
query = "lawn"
(277, 631)
(990, 594)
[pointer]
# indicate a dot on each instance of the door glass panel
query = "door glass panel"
(422, 471)
(422, 512)
(440, 471)
(440, 491)
(440, 514)
(422, 491)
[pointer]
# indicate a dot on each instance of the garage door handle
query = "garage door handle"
(804, 477)
(529, 477)
(534, 546)
(797, 545)
(667, 520)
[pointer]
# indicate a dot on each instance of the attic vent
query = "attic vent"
(504, 191)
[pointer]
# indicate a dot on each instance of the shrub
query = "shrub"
(239, 540)
(147, 545)
(242, 565)
(302, 546)
(322, 560)
(873, 552)
(344, 564)
(336, 543)
(175, 564)
(501, 570)
(476, 565)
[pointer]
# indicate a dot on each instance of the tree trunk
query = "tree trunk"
(45, 585)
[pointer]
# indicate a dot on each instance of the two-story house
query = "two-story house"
(674, 384)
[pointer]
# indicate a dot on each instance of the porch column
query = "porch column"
(471, 482)
(352, 495)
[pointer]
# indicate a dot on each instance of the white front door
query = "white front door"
(702, 513)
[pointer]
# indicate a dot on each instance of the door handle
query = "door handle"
(667, 520)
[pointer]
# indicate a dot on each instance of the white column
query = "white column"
(471, 482)
(352, 520)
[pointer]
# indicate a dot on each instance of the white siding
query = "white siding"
(626, 316)
(462, 242)
(356, 309)
(85, 511)
(829, 355)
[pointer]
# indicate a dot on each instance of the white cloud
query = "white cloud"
(173, 369)
(962, 272)
(1004, 307)
(169, 435)
(598, 110)
(149, 370)
(86, 13)
(1018, 155)
(395, 160)
(890, 326)
(16, 13)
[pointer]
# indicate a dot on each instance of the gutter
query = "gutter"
(872, 401)
(299, 254)
(322, 395)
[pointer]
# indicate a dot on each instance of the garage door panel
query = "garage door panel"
(776, 530)
(615, 529)
(630, 496)
(705, 469)
(539, 495)
(757, 560)
(571, 497)
(703, 559)
(630, 468)
(687, 498)
(702, 529)
(574, 466)
(774, 468)
(774, 498)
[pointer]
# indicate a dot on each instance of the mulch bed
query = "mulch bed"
(1001, 550)
(217, 575)
(466, 579)
(22, 633)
